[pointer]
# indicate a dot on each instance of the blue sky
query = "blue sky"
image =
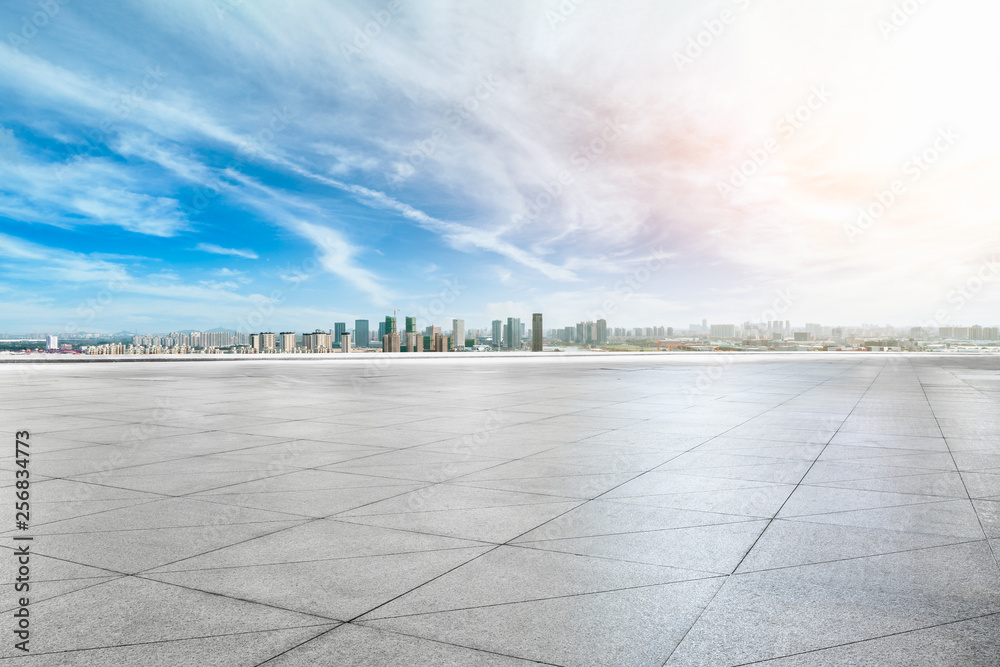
(203, 164)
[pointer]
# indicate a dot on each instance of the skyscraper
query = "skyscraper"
(513, 333)
(287, 341)
(458, 334)
(390, 325)
(338, 330)
(536, 332)
(411, 325)
(361, 335)
(602, 332)
(497, 333)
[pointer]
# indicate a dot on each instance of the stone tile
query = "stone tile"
(318, 540)
(131, 610)
(338, 589)
(515, 574)
(357, 646)
(956, 644)
(608, 517)
(763, 615)
(311, 503)
(639, 626)
(754, 501)
(714, 549)
(487, 524)
(808, 500)
(240, 648)
(800, 542)
(131, 551)
(951, 518)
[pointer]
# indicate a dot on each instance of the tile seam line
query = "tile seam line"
(979, 519)
(850, 558)
(152, 573)
(654, 468)
(302, 523)
(403, 634)
(870, 639)
(811, 465)
(707, 576)
(323, 620)
(497, 546)
(179, 639)
(771, 520)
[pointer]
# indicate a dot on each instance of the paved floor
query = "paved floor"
(800, 509)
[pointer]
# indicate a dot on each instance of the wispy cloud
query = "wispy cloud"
(581, 162)
(219, 250)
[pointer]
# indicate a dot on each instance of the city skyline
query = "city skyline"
(716, 329)
(135, 194)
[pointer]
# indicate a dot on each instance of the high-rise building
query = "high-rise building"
(390, 342)
(497, 333)
(339, 328)
(268, 341)
(345, 343)
(513, 333)
(976, 332)
(458, 334)
(536, 332)
(317, 341)
(287, 341)
(390, 324)
(602, 332)
(361, 335)
(723, 331)
(432, 331)
(51, 342)
(411, 325)
(255, 342)
(414, 342)
(440, 342)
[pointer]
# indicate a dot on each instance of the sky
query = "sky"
(283, 166)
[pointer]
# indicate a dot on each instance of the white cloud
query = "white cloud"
(82, 191)
(219, 250)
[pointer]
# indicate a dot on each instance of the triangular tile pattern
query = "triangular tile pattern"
(798, 509)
